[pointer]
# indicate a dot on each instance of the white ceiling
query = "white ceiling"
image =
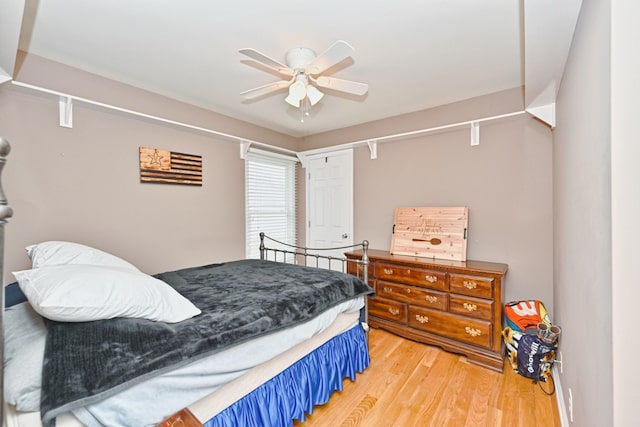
(414, 54)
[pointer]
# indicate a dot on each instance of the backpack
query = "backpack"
(535, 357)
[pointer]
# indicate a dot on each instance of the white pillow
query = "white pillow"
(58, 253)
(81, 293)
(24, 340)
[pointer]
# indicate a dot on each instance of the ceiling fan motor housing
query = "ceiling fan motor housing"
(299, 57)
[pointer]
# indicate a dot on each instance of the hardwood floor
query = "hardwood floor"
(413, 384)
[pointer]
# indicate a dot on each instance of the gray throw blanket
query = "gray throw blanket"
(241, 300)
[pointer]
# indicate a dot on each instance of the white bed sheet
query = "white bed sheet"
(160, 397)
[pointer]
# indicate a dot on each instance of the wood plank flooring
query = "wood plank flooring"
(412, 384)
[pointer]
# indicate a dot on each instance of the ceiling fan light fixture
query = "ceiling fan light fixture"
(314, 95)
(297, 92)
(294, 102)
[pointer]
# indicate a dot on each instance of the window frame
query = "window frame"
(270, 199)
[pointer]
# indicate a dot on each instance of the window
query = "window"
(270, 191)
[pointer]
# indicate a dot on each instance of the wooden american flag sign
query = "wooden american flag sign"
(167, 167)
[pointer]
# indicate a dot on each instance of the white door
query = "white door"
(330, 202)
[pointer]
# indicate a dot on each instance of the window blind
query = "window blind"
(270, 205)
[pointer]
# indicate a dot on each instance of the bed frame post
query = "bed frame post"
(5, 214)
(365, 261)
(262, 250)
(365, 279)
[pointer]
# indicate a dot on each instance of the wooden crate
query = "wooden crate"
(431, 232)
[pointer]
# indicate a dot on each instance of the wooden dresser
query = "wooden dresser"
(456, 305)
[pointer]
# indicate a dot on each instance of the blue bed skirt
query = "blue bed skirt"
(294, 392)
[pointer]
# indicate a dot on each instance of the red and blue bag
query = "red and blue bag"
(521, 318)
(525, 315)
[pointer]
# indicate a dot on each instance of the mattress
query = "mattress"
(215, 390)
(211, 405)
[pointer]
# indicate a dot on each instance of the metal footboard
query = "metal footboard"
(313, 257)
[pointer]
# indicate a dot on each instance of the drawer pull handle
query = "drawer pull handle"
(422, 319)
(431, 278)
(388, 290)
(388, 271)
(431, 299)
(472, 331)
(394, 311)
(470, 307)
(470, 284)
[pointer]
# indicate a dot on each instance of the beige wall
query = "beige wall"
(582, 220)
(596, 215)
(625, 207)
(82, 184)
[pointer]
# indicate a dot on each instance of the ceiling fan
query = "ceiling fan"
(304, 72)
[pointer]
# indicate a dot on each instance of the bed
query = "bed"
(247, 342)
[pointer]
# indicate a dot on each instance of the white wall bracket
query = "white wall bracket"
(303, 159)
(546, 113)
(244, 149)
(373, 148)
(475, 133)
(66, 111)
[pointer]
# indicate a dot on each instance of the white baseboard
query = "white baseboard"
(564, 419)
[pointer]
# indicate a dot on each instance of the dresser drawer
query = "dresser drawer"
(387, 309)
(412, 276)
(480, 287)
(472, 331)
(356, 268)
(412, 295)
(468, 306)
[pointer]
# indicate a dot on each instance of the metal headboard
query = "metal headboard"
(311, 256)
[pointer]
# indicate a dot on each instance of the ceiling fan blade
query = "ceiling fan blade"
(266, 61)
(355, 88)
(335, 53)
(259, 91)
